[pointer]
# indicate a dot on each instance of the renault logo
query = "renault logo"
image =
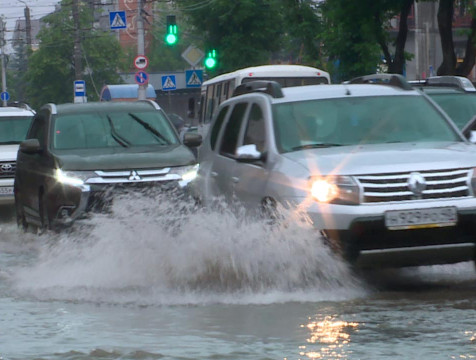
(416, 184)
(134, 176)
(6, 168)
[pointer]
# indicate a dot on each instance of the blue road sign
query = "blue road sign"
(79, 88)
(117, 20)
(5, 96)
(142, 77)
(193, 78)
(169, 83)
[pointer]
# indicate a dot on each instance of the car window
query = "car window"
(112, 129)
(460, 107)
(359, 120)
(232, 130)
(255, 128)
(13, 129)
(217, 126)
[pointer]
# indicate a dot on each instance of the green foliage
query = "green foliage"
(51, 68)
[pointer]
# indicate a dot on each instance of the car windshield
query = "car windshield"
(358, 120)
(112, 129)
(460, 107)
(13, 129)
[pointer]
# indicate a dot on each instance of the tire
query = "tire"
(20, 215)
(269, 210)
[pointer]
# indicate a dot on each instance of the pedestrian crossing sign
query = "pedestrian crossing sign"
(117, 20)
(169, 83)
(193, 78)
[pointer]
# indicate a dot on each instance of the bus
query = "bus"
(220, 88)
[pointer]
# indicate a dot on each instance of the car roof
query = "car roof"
(310, 92)
(106, 106)
(15, 111)
(442, 90)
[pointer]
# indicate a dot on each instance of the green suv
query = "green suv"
(75, 154)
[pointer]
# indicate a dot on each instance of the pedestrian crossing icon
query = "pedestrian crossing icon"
(169, 83)
(117, 20)
(193, 78)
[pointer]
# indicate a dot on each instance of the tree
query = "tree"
(449, 65)
(243, 32)
(51, 68)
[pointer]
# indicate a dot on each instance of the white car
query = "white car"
(382, 172)
(14, 124)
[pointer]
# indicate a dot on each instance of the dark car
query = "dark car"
(75, 154)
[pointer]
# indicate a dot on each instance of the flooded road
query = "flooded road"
(150, 281)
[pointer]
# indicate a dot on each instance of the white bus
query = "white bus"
(220, 88)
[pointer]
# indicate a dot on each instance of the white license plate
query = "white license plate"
(6, 190)
(421, 218)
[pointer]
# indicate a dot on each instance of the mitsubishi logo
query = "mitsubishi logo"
(134, 176)
(6, 168)
(416, 184)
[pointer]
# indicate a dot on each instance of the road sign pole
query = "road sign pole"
(140, 47)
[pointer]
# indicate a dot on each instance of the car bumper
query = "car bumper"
(361, 235)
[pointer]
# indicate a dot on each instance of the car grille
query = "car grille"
(7, 169)
(438, 184)
(133, 176)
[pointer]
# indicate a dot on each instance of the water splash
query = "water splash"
(161, 251)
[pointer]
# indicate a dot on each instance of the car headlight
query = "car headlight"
(73, 178)
(187, 173)
(335, 189)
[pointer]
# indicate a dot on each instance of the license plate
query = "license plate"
(421, 218)
(6, 190)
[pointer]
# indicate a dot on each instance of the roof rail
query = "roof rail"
(20, 104)
(459, 82)
(382, 79)
(268, 87)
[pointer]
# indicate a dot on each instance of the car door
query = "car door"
(249, 178)
(224, 160)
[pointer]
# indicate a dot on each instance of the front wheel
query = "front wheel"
(20, 215)
(44, 217)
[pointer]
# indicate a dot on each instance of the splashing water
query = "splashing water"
(156, 250)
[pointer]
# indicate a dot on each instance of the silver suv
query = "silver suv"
(381, 171)
(14, 123)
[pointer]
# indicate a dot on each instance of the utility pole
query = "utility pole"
(2, 55)
(78, 71)
(28, 29)
(140, 46)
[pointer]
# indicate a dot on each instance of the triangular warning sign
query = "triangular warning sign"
(168, 83)
(194, 79)
(118, 22)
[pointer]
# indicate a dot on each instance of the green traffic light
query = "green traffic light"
(211, 61)
(171, 37)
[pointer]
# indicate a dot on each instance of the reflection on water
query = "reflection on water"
(333, 336)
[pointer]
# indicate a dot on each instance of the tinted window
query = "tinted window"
(217, 126)
(255, 129)
(364, 120)
(13, 129)
(232, 130)
(112, 129)
(461, 108)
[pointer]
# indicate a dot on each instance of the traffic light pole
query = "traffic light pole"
(140, 46)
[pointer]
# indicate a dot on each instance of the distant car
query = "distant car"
(75, 154)
(456, 95)
(15, 120)
(381, 172)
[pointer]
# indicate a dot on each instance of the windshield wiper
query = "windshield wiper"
(149, 128)
(315, 146)
(118, 138)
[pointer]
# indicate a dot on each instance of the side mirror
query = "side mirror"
(30, 146)
(192, 139)
(248, 153)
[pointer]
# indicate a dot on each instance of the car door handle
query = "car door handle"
(235, 179)
(214, 174)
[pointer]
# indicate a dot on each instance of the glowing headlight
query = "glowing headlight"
(335, 189)
(68, 178)
(187, 173)
(190, 174)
